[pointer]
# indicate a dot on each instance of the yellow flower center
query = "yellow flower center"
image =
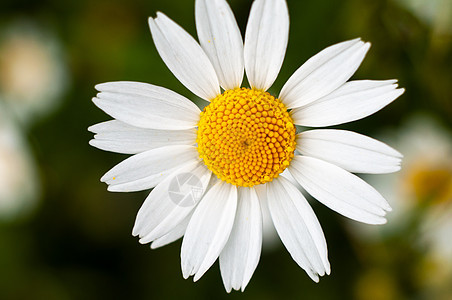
(246, 137)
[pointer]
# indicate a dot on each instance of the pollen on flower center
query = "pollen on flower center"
(246, 137)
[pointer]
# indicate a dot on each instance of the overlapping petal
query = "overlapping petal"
(171, 201)
(323, 73)
(266, 38)
(352, 101)
(208, 230)
(240, 256)
(147, 169)
(220, 38)
(120, 137)
(298, 227)
(184, 57)
(172, 236)
(146, 106)
(339, 190)
(349, 150)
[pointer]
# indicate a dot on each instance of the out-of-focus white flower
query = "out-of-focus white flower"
(436, 233)
(427, 172)
(426, 176)
(19, 187)
(32, 73)
(435, 240)
(421, 197)
(435, 13)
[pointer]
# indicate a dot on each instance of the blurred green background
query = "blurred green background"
(63, 236)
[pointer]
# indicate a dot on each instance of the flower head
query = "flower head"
(247, 139)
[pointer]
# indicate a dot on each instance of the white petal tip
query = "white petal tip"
(114, 188)
(101, 86)
(381, 221)
(391, 81)
(143, 241)
(386, 207)
(244, 285)
(148, 238)
(198, 276)
(105, 178)
(185, 272)
(155, 245)
(135, 231)
(91, 128)
(157, 14)
(397, 92)
(393, 169)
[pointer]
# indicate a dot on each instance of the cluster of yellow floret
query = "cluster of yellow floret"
(246, 137)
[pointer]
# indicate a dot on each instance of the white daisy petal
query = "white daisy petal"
(266, 38)
(171, 201)
(208, 230)
(147, 106)
(220, 38)
(178, 231)
(145, 170)
(352, 101)
(120, 137)
(349, 150)
(172, 236)
(269, 235)
(286, 174)
(298, 227)
(323, 73)
(240, 256)
(340, 190)
(184, 57)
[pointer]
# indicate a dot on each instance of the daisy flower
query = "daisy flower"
(215, 171)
